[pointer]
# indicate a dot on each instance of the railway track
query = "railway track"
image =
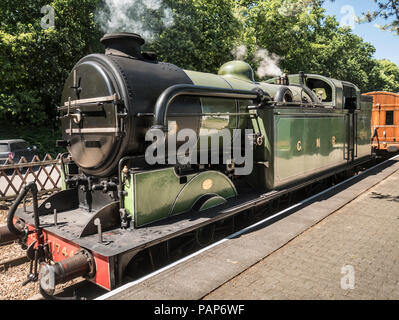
(6, 243)
(13, 262)
(14, 267)
(14, 270)
(195, 243)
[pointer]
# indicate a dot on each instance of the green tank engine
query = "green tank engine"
(304, 127)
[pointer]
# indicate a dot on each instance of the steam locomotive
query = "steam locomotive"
(114, 204)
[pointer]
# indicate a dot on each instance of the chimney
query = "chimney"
(123, 44)
(283, 80)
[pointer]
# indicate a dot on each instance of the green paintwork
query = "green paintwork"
(129, 195)
(238, 69)
(262, 176)
(212, 125)
(279, 162)
(294, 131)
(159, 194)
(235, 75)
(221, 187)
(212, 202)
(63, 184)
(299, 142)
(364, 129)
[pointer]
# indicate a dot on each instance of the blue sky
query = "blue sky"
(385, 42)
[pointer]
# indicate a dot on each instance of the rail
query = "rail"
(170, 94)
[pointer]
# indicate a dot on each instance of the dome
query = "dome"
(237, 69)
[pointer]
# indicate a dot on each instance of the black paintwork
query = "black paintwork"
(138, 83)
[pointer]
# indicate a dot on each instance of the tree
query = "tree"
(388, 10)
(202, 36)
(306, 39)
(34, 62)
(385, 76)
(194, 34)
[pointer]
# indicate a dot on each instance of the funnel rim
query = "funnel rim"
(122, 35)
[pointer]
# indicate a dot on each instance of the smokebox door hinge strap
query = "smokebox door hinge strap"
(91, 102)
(76, 84)
(69, 116)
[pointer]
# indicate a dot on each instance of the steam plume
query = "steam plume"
(139, 16)
(240, 52)
(268, 64)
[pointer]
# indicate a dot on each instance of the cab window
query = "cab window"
(321, 88)
(350, 98)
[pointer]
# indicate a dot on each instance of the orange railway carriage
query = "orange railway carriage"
(385, 121)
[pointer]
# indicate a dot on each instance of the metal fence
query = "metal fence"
(46, 173)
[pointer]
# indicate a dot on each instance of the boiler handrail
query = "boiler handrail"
(170, 94)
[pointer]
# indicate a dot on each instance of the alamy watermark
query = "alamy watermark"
(48, 20)
(291, 8)
(349, 18)
(185, 147)
(348, 280)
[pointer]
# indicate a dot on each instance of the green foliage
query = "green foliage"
(42, 137)
(202, 36)
(35, 62)
(388, 10)
(308, 40)
(385, 76)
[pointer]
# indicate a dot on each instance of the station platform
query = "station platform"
(341, 244)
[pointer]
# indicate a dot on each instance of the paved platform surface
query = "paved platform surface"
(359, 241)
(321, 250)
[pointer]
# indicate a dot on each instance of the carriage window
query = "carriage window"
(389, 118)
